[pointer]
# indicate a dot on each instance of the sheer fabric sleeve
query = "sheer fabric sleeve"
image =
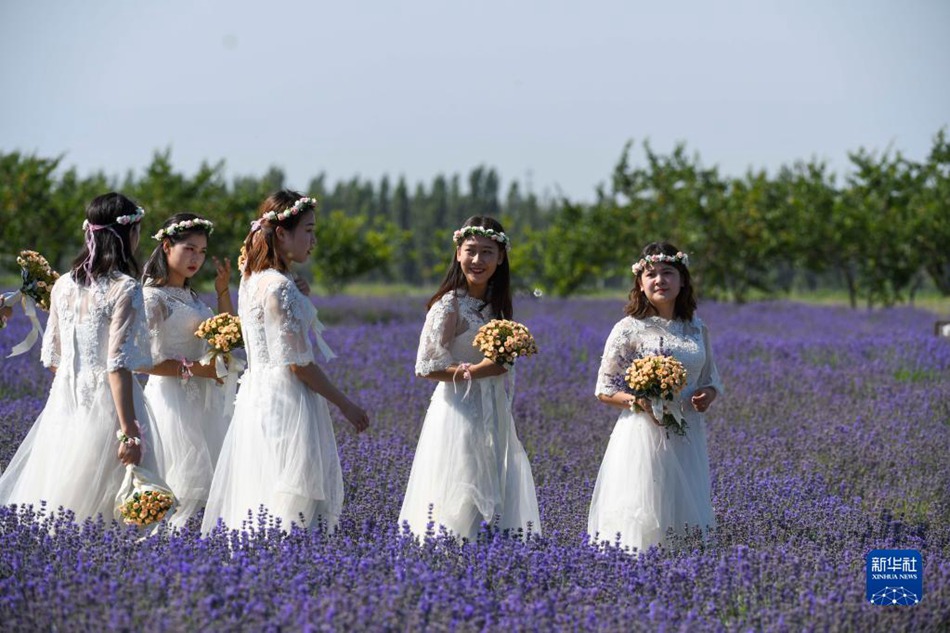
(437, 335)
(156, 312)
(287, 325)
(619, 352)
(128, 346)
(709, 376)
(50, 349)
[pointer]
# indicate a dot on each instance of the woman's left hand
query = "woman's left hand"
(302, 285)
(702, 398)
(222, 277)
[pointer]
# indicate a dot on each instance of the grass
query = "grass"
(929, 299)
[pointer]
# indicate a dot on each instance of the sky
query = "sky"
(547, 93)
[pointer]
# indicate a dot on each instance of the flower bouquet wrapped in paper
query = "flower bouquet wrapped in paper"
(38, 279)
(659, 379)
(502, 341)
(223, 334)
(143, 499)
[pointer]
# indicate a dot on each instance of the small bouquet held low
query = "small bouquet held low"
(223, 334)
(146, 507)
(659, 378)
(144, 498)
(37, 286)
(502, 341)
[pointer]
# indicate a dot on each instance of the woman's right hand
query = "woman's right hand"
(130, 453)
(356, 416)
(644, 406)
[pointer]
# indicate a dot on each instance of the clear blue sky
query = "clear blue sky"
(553, 89)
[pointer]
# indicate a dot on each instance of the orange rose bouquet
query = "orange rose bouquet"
(659, 379)
(503, 341)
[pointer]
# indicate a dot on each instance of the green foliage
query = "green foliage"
(881, 235)
(41, 209)
(346, 249)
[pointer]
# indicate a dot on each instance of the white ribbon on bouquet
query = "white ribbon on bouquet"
(29, 309)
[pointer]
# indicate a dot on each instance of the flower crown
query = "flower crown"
(649, 260)
(184, 226)
(302, 204)
(492, 234)
(132, 218)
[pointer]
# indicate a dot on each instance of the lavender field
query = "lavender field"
(833, 439)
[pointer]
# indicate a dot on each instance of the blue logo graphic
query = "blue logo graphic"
(895, 577)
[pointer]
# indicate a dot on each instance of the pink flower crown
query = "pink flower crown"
(302, 204)
(132, 218)
(492, 234)
(649, 260)
(184, 226)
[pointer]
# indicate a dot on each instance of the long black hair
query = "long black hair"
(112, 244)
(685, 305)
(155, 272)
(499, 286)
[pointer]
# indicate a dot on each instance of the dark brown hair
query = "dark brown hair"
(113, 245)
(260, 247)
(499, 286)
(155, 272)
(638, 307)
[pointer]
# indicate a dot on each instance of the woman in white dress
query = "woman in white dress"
(96, 335)
(469, 467)
(190, 403)
(280, 452)
(652, 481)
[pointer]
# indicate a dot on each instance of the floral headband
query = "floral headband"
(132, 218)
(184, 226)
(492, 234)
(649, 260)
(302, 204)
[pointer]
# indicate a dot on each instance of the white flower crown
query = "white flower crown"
(132, 218)
(492, 234)
(302, 204)
(184, 226)
(649, 260)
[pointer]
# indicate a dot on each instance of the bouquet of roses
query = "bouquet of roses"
(658, 378)
(38, 278)
(143, 499)
(223, 334)
(502, 341)
(146, 507)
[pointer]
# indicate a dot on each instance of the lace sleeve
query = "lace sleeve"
(437, 335)
(709, 376)
(49, 351)
(129, 346)
(156, 312)
(285, 319)
(619, 352)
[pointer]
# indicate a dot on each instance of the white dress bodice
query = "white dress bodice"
(686, 341)
(174, 315)
(95, 329)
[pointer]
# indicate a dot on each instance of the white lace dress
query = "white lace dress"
(69, 457)
(191, 417)
(469, 466)
(650, 482)
(280, 451)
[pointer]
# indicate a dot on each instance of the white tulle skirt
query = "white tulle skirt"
(190, 419)
(470, 466)
(69, 458)
(279, 454)
(649, 483)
